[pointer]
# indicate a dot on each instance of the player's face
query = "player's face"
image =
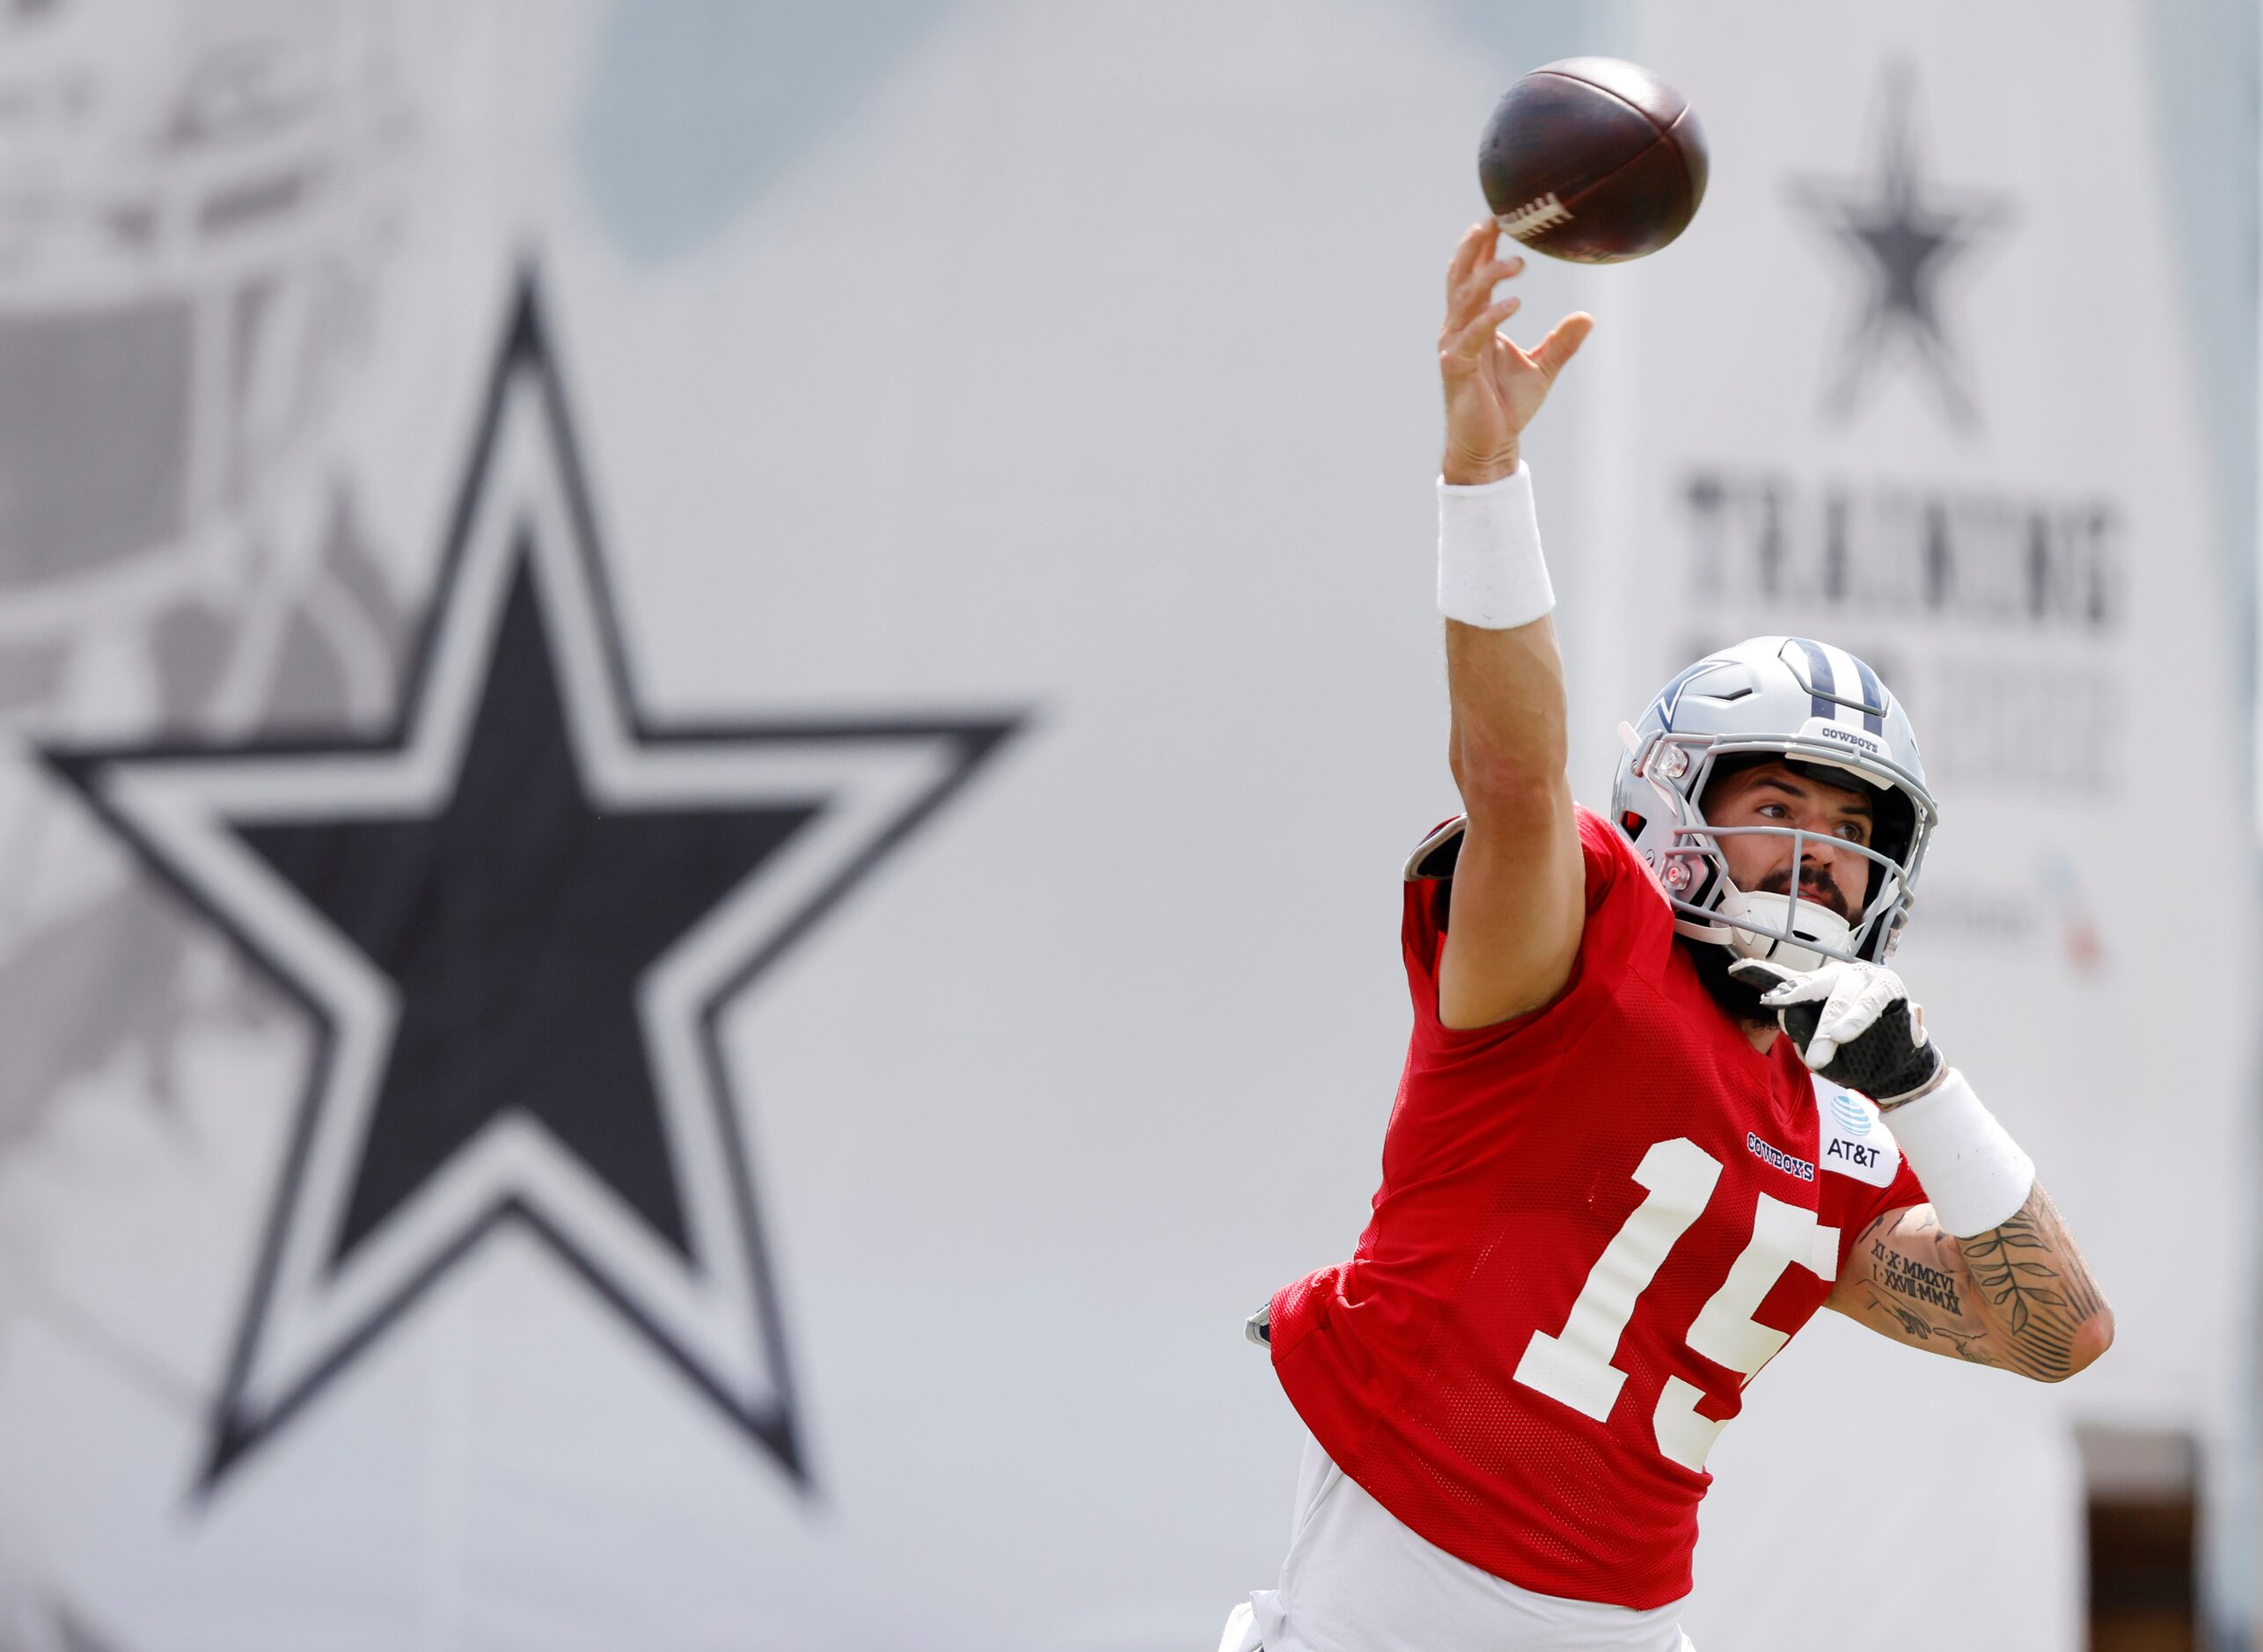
(1770, 794)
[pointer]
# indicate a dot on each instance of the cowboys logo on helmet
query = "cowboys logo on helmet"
(1823, 713)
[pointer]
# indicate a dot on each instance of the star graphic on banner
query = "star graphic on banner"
(1902, 235)
(515, 919)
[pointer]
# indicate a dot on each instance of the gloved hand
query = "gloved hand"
(1851, 1022)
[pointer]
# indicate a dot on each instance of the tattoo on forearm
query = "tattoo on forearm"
(2033, 1283)
(1906, 1276)
(2015, 1296)
(1965, 1343)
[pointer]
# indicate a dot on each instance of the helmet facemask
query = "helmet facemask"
(1796, 931)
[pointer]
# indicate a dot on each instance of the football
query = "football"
(1592, 159)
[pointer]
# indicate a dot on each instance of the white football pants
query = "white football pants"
(1357, 1581)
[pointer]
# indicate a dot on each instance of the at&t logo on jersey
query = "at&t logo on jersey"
(1853, 1117)
(1852, 1140)
(1853, 1153)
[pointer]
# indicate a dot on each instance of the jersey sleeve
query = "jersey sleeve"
(1865, 1203)
(1626, 915)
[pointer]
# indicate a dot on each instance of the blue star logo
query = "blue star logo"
(1902, 235)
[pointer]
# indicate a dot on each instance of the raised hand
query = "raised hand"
(1492, 388)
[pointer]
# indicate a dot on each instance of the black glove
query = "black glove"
(1851, 1022)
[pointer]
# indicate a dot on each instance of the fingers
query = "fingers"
(1471, 342)
(1856, 1004)
(1476, 244)
(1758, 972)
(1475, 291)
(1789, 987)
(1792, 987)
(1563, 343)
(1472, 313)
(1844, 1016)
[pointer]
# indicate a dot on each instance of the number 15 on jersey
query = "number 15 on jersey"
(1574, 1365)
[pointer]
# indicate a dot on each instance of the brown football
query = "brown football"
(1592, 159)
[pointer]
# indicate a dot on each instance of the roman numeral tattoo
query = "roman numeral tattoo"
(2017, 1297)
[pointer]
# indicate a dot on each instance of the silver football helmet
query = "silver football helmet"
(1809, 704)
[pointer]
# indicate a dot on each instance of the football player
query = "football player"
(1663, 1101)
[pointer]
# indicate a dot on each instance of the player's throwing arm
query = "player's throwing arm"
(1517, 886)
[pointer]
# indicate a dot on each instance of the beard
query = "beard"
(1739, 1001)
(1816, 884)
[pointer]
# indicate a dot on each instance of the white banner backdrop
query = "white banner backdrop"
(1020, 417)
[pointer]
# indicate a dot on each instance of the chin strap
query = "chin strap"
(1783, 929)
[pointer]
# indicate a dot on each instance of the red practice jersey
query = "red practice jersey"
(1597, 1222)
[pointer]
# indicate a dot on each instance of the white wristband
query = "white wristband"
(1974, 1172)
(1490, 571)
